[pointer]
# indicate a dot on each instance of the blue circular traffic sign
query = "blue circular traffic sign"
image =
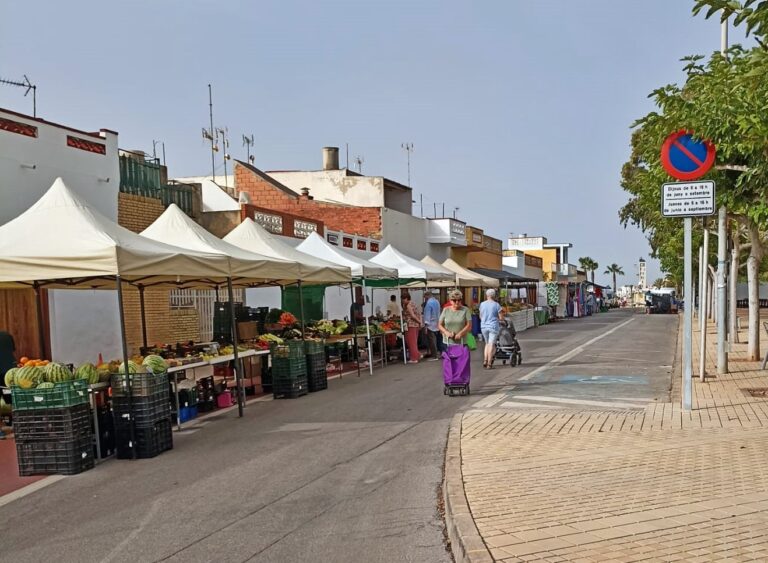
(685, 158)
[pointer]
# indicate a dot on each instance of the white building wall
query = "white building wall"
(29, 165)
(336, 187)
(83, 323)
(405, 232)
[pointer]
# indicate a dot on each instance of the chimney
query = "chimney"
(330, 158)
(305, 194)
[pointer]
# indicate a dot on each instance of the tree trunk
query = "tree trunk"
(753, 279)
(614, 283)
(733, 278)
(592, 275)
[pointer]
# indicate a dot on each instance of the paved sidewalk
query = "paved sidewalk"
(585, 485)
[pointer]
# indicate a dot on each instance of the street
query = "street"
(348, 474)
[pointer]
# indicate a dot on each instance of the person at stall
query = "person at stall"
(393, 311)
(455, 320)
(356, 319)
(413, 322)
(7, 359)
(431, 320)
(491, 314)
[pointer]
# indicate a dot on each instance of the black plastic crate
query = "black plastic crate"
(188, 397)
(65, 423)
(315, 363)
(145, 411)
(317, 382)
(206, 406)
(142, 384)
(289, 388)
(147, 441)
(58, 457)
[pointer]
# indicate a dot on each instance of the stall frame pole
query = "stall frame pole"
(354, 330)
(235, 339)
(402, 320)
(40, 320)
(301, 308)
(143, 315)
(368, 345)
(124, 342)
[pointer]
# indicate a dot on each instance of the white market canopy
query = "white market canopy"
(175, 227)
(62, 241)
(360, 267)
(468, 278)
(252, 237)
(410, 268)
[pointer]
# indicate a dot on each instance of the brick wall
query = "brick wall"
(164, 325)
(363, 221)
(136, 212)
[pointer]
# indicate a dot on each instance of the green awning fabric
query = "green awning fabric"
(313, 301)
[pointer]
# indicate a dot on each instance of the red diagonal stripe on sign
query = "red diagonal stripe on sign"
(687, 153)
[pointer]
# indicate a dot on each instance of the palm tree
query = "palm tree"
(589, 265)
(614, 269)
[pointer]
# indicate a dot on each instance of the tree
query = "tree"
(658, 284)
(589, 265)
(614, 270)
(723, 99)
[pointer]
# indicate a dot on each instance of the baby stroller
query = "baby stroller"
(507, 346)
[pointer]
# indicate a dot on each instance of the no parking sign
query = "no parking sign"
(685, 158)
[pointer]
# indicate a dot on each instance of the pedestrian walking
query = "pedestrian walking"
(431, 321)
(455, 320)
(490, 315)
(413, 323)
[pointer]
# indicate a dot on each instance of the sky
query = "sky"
(519, 112)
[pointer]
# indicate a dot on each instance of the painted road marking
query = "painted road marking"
(501, 395)
(606, 379)
(512, 404)
(638, 404)
(572, 353)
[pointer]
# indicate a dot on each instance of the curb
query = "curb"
(466, 543)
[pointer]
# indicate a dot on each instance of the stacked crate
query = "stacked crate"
(53, 429)
(206, 396)
(289, 370)
(147, 410)
(317, 376)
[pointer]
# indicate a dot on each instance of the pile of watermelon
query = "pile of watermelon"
(45, 377)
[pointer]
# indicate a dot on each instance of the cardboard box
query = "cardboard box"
(248, 330)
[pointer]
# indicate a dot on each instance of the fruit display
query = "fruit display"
(133, 367)
(88, 372)
(327, 328)
(56, 372)
(29, 377)
(24, 362)
(46, 385)
(9, 375)
(156, 364)
(287, 320)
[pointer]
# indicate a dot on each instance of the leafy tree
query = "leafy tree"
(614, 270)
(723, 99)
(589, 265)
(659, 283)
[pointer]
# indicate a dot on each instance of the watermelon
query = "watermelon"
(87, 372)
(9, 375)
(156, 364)
(29, 377)
(132, 367)
(55, 373)
(103, 371)
(46, 385)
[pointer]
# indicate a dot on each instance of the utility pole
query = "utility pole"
(722, 237)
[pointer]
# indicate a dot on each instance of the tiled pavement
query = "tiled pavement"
(655, 485)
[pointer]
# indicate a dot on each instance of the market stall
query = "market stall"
(464, 277)
(364, 272)
(75, 247)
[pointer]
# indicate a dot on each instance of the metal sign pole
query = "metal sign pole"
(687, 315)
(703, 302)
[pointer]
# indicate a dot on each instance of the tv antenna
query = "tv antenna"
(154, 149)
(408, 148)
(29, 86)
(359, 161)
(248, 142)
(224, 132)
(210, 135)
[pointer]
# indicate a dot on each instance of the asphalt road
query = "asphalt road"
(349, 474)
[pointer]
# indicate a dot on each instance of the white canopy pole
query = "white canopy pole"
(402, 321)
(368, 336)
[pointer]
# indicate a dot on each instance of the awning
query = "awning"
(410, 268)
(505, 277)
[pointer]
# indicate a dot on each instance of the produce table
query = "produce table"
(173, 371)
(381, 337)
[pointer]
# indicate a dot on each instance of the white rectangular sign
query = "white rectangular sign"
(688, 199)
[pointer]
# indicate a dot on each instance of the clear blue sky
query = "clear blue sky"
(519, 111)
